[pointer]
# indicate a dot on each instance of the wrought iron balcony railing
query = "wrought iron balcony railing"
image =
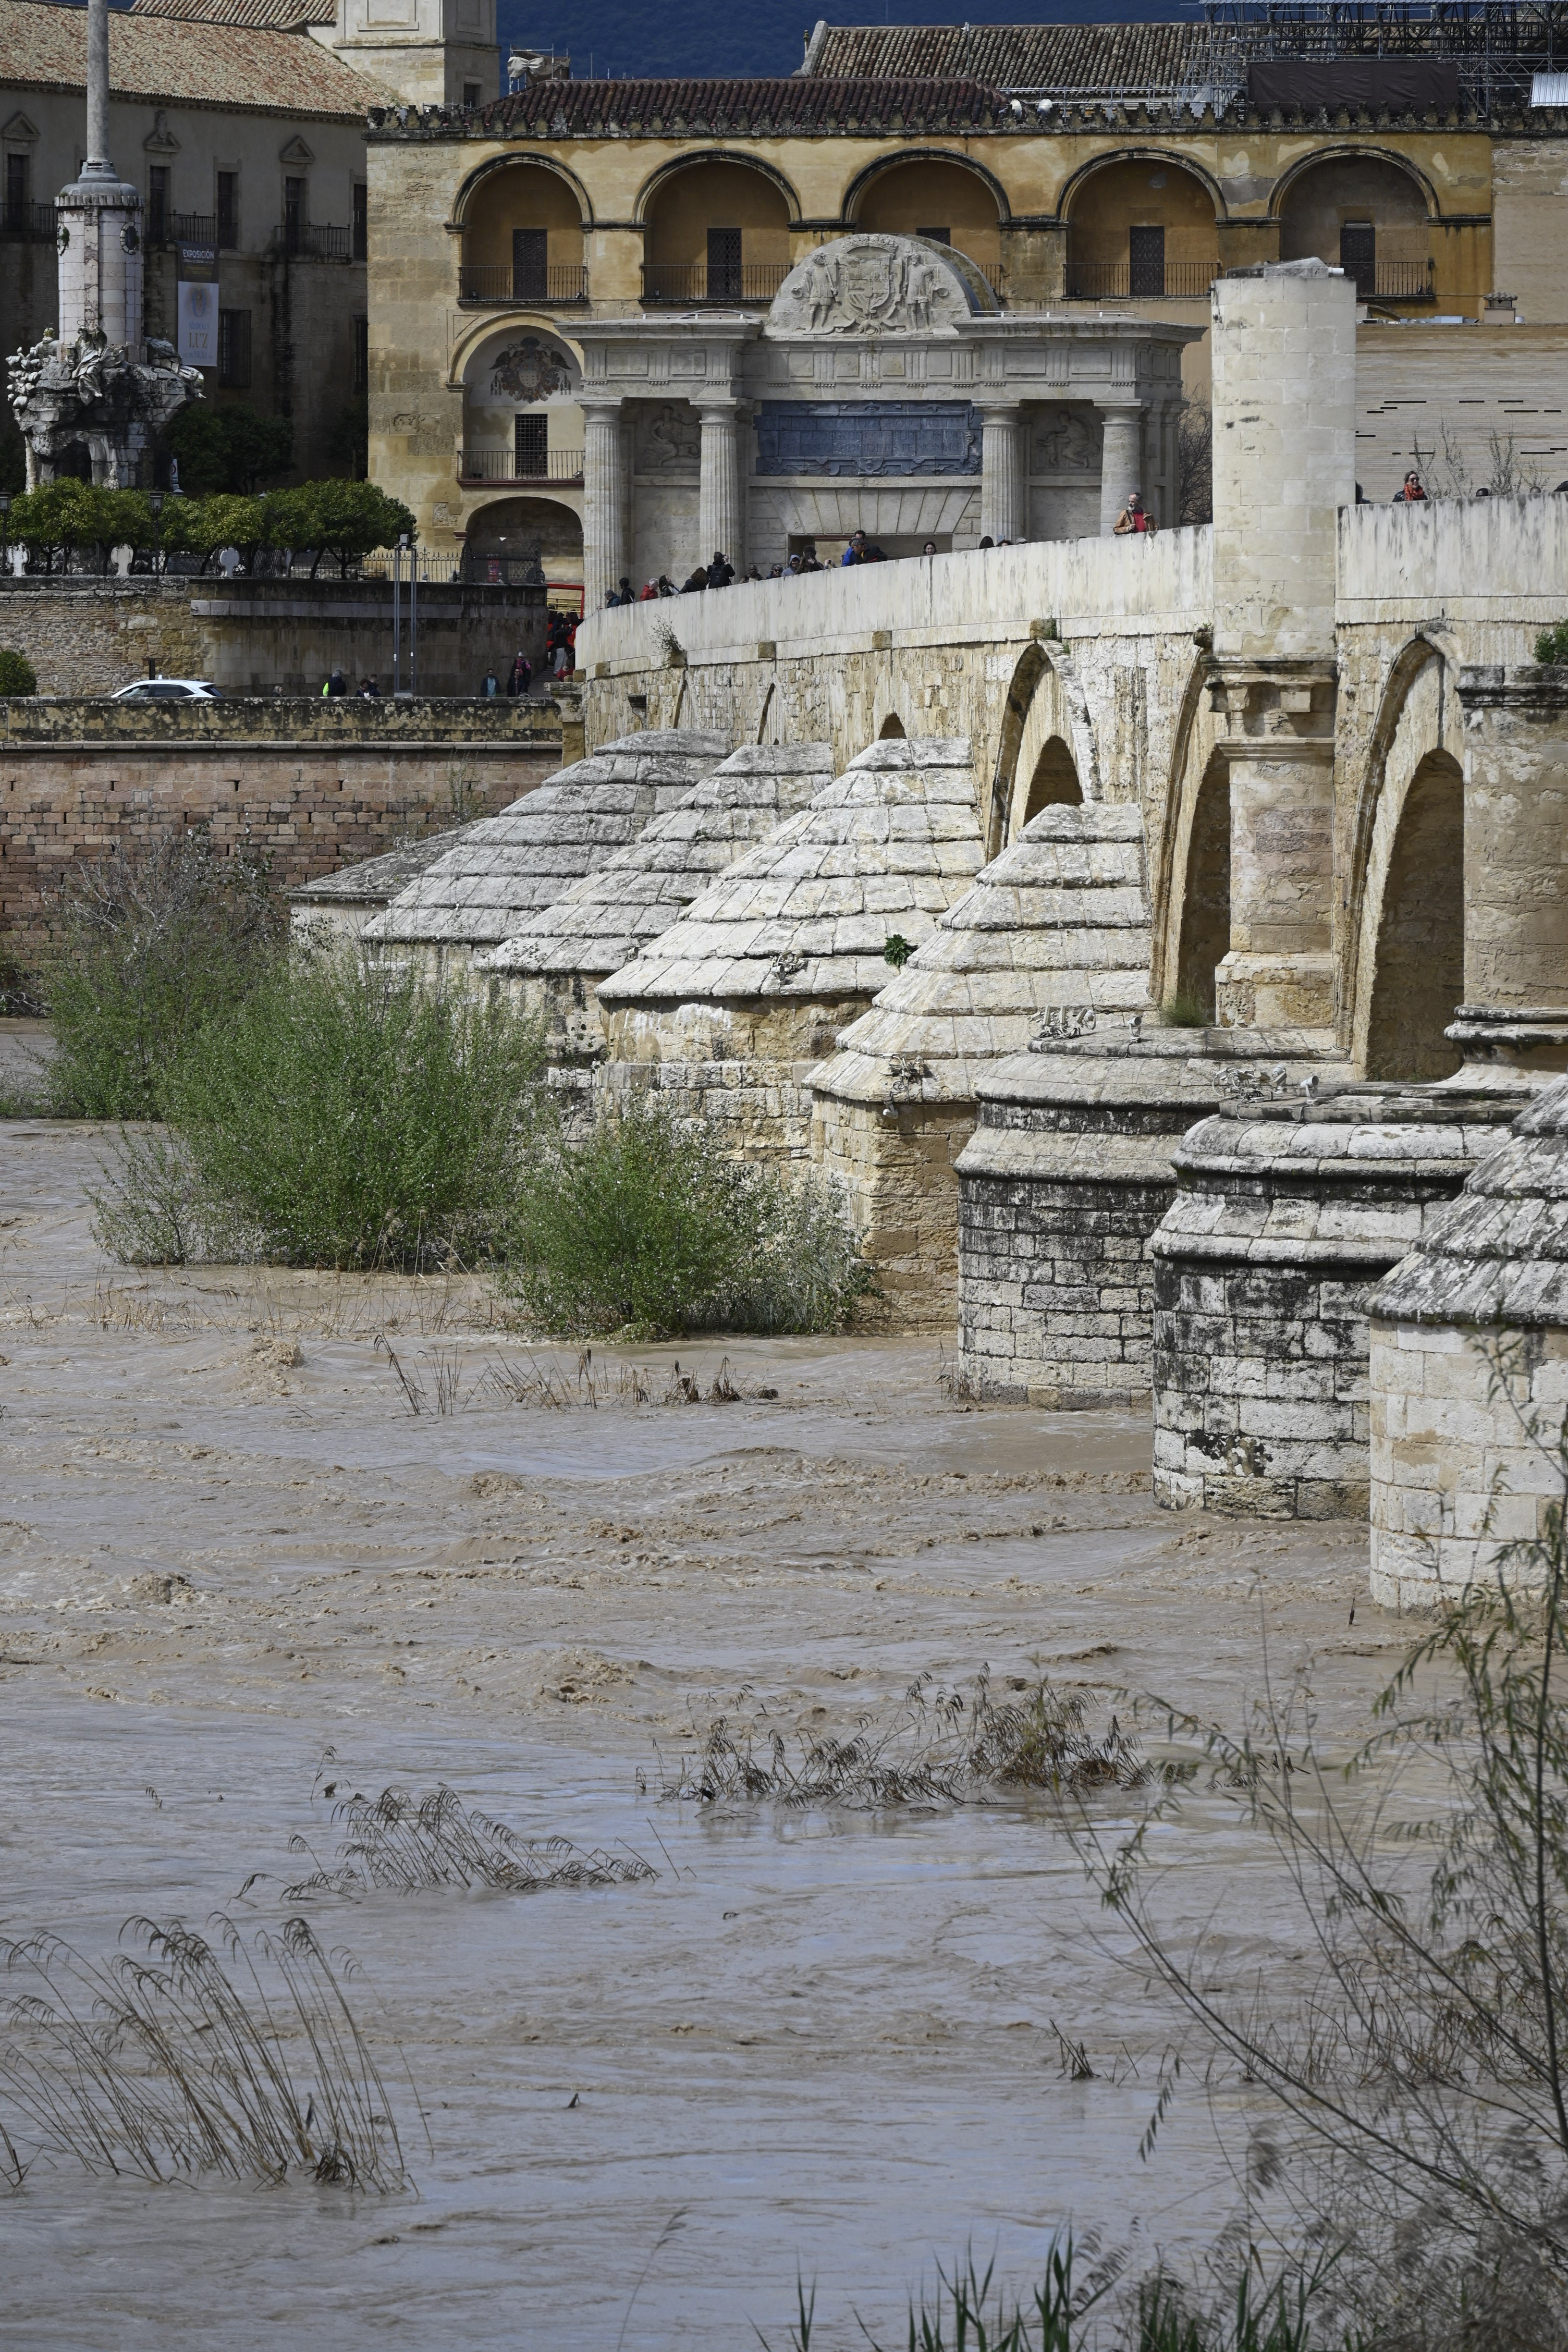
(1118, 281)
(313, 241)
(695, 284)
(34, 222)
(509, 466)
(560, 281)
(1397, 281)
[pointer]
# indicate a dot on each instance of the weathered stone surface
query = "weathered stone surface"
(503, 868)
(1059, 921)
(1068, 1173)
(552, 963)
(730, 1007)
(1469, 1370)
(1286, 1217)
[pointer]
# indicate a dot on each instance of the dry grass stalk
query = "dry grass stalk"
(403, 1844)
(938, 1747)
(164, 2063)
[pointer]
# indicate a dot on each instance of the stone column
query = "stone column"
(1284, 450)
(1120, 461)
(720, 500)
(604, 502)
(1515, 1014)
(1002, 488)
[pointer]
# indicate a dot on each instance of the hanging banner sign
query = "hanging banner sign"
(197, 263)
(197, 343)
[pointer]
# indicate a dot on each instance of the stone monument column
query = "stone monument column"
(603, 502)
(1121, 460)
(1284, 450)
(1002, 494)
(721, 497)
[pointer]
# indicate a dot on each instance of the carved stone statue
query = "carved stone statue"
(875, 285)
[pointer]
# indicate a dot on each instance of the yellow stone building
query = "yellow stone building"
(1097, 174)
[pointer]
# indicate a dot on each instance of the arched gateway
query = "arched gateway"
(882, 391)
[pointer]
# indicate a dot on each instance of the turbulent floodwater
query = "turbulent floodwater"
(817, 2043)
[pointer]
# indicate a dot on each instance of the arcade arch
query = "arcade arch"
(929, 197)
(717, 231)
(1364, 214)
(1405, 975)
(523, 420)
(1204, 937)
(523, 239)
(1046, 706)
(1143, 227)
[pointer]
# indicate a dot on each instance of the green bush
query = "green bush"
(1182, 1010)
(62, 516)
(1552, 646)
(646, 1222)
(340, 1115)
(17, 674)
(147, 945)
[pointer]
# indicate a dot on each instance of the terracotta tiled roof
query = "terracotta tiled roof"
(265, 16)
(565, 109)
(172, 61)
(1096, 59)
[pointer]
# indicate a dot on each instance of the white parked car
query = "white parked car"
(167, 689)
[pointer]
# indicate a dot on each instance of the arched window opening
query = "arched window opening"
(1054, 784)
(506, 538)
(1366, 217)
(1419, 975)
(1143, 229)
(941, 200)
(523, 240)
(717, 232)
(891, 729)
(1205, 902)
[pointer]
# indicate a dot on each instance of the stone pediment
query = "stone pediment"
(872, 285)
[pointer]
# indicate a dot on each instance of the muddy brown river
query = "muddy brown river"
(823, 2042)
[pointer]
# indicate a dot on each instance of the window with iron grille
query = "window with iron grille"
(361, 354)
(1146, 261)
(362, 220)
(158, 202)
(17, 185)
(234, 347)
(470, 94)
(1358, 256)
(937, 235)
(529, 265)
(228, 208)
(532, 446)
(724, 265)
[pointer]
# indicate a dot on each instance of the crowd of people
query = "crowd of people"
(859, 549)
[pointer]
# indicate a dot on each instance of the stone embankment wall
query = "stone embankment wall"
(258, 636)
(317, 782)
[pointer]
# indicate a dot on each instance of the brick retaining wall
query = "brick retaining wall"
(318, 783)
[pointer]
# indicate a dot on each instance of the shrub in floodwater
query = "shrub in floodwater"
(935, 1747)
(162, 2063)
(970, 2311)
(147, 947)
(342, 1115)
(646, 1221)
(399, 1842)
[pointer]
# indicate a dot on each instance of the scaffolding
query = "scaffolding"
(1499, 46)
